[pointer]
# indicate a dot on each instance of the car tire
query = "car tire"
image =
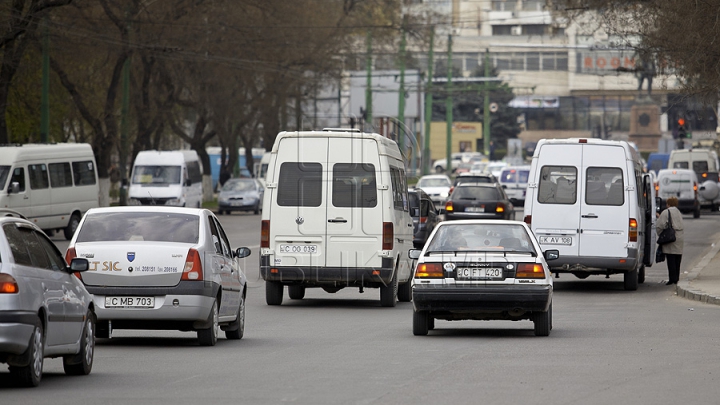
(31, 374)
(542, 322)
(81, 363)
(641, 274)
(69, 230)
(630, 280)
(420, 323)
(696, 213)
(431, 323)
(236, 329)
(102, 330)
(256, 210)
(273, 293)
(389, 293)
(405, 291)
(208, 337)
(220, 212)
(296, 292)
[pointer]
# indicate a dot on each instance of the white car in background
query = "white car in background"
(482, 270)
(436, 186)
(496, 167)
(157, 267)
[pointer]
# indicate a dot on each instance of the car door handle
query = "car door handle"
(590, 216)
(337, 220)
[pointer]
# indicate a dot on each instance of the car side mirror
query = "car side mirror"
(124, 182)
(14, 188)
(188, 182)
(551, 254)
(242, 252)
(79, 264)
(414, 253)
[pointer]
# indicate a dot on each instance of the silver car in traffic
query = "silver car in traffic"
(157, 267)
(45, 311)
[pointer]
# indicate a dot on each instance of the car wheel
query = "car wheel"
(439, 169)
(220, 212)
(641, 274)
(256, 210)
(102, 329)
(420, 323)
(30, 375)
(296, 292)
(405, 291)
(81, 363)
(69, 230)
(631, 280)
(389, 293)
(208, 337)
(236, 329)
(273, 293)
(543, 322)
(431, 323)
(696, 213)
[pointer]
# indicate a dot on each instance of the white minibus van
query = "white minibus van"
(335, 215)
(52, 185)
(591, 200)
(704, 162)
(166, 178)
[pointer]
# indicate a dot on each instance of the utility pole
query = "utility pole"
(486, 105)
(45, 100)
(428, 107)
(368, 88)
(401, 93)
(449, 110)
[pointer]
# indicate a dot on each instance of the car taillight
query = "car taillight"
(449, 206)
(193, 267)
(8, 285)
(265, 233)
(387, 237)
(632, 230)
(530, 270)
(451, 190)
(528, 219)
(500, 207)
(429, 270)
(69, 255)
(423, 220)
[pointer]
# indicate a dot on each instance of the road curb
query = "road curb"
(683, 288)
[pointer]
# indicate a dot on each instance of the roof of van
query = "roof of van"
(186, 154)
(589, 141)
(703, 152)
(387, 145)
(8, 153)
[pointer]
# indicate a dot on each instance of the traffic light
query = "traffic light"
(682, 131)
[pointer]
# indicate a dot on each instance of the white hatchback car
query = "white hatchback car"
(44, 310)
(482, 270)
(157, 267)
(436, 186)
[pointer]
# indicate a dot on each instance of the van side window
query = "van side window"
(60, 175)
(18, 176)
(399, 188)
(300, 184)
(84, 173)
(604, 186)
(194, 172)
(38, 176)
(558, 185)
(354, 185)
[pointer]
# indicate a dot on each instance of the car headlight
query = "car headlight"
(223, 199)
(133, 201)
(251, 199)
(444, 194)
(173, 201)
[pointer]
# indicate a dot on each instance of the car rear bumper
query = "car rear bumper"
(188, 301)
(337, 276)
(16, 327)
(482, 299)
(476, 215)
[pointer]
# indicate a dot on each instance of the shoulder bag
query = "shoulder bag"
(668, 234)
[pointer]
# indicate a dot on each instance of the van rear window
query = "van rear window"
(354, 185)
(604, 186)
(558, 185)
(300, 184)
(700, 166)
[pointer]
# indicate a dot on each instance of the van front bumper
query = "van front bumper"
(335, 276)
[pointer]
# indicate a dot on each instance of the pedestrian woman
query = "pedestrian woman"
(673, 250)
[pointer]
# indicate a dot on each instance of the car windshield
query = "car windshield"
(140, 226)
(156, 175)
(4, 171)
(481, 238)
(439, 182)
(239, 185)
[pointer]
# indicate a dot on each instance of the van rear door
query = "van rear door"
(604, 206)
(354, 205)
(298, 211)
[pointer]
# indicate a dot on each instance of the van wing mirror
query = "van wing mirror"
(188, 182)
(14, 188)
(551, 254)
(415, 212)
(414, 253)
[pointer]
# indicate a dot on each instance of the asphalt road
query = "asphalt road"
(607, 346)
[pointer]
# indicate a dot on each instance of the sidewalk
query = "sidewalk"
(702, 283)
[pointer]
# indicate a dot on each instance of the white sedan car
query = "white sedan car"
(482, 270)
(436, 186)
(157, 267)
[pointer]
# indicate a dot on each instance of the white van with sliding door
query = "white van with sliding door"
(52, 185)
(589, 199)
(335, 215)
(166, 178)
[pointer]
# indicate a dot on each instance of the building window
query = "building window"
(534, 29)
(501, 30)
(504, 5)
